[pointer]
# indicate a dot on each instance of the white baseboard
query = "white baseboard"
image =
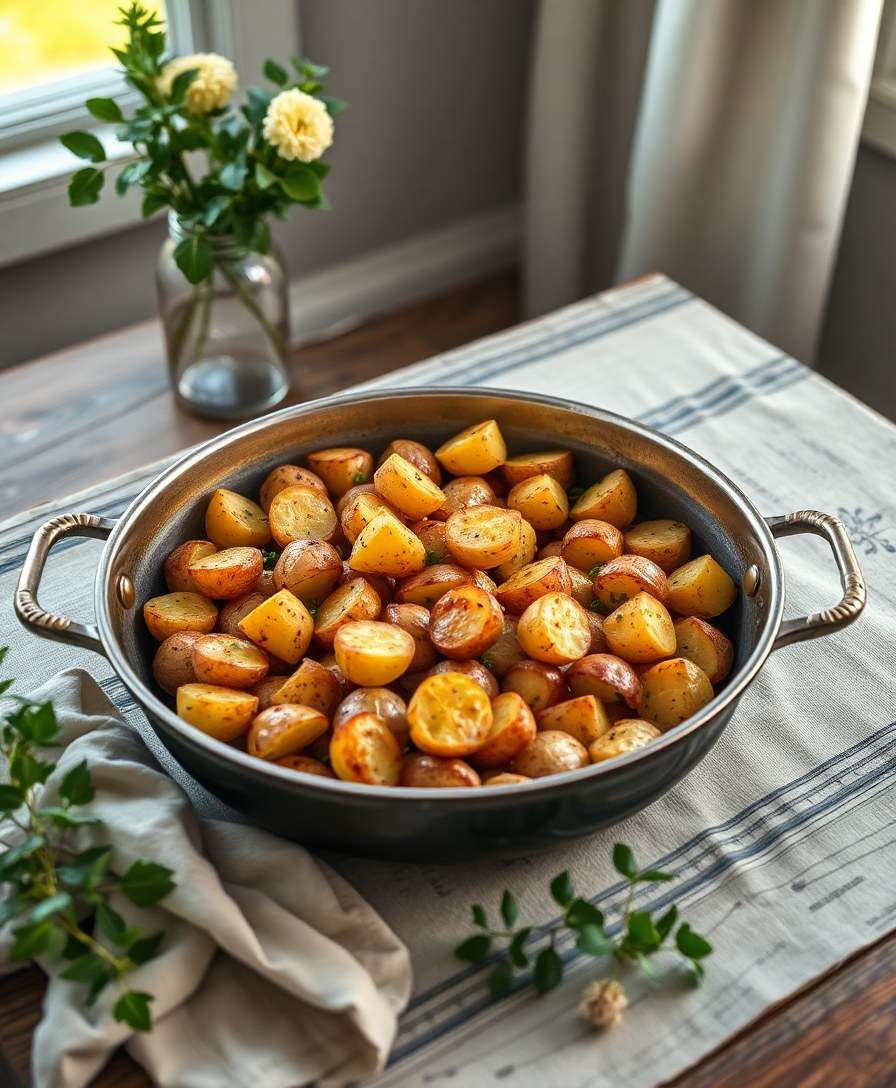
(341, 297)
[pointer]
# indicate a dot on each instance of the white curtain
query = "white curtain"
(713, 140)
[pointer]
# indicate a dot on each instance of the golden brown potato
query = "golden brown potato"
(589, 542)
(372, 653)
(465, 621)
(513, 727)
(640, 630)
(450, 715)
(706, 646)
(605, 676)
(408, 489)
(475, 670)
(555, 463)
(312, 684)
(265, 689)
(430, 772)
(381, 702)
(672, 691)
(419, 455)
(611, 499)
(627, 735)
(533, 581)
(701, 588)
(550, 752)
(229, 573)
(173, 612)
(364, 749)
(177, 565)
(506, 778)
(541, 500)
(301, 512)
(306, 765)
(554, 629)
(622, 578)
(264, 584)
(475, 450)
(539, 685)
(352, 494)
(354, 600)
(582, 589)
(523, 554)
(233, 521)
(667, 543)
(283, 476)
(384, 586)
(360, 510)
(284, 730)
(430, 584)
(387, 546)
(340, 467)
(219, 712)
(172, 665)
(483, 536)
(551, 550)
(505, 651)
(599, 644)
(309, 569)
(227, 661)
(233, 611)
(281, 625)
(583, 717)
(432, 536)
(414, 619)
(464, 492)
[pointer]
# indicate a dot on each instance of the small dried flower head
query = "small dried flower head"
(603, 1003)
(298, 125)
(213, 85)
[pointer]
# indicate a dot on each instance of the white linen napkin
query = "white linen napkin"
(274, 971)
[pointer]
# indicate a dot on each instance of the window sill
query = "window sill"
(879, 126)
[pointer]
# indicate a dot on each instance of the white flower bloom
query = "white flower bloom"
(215, 81)
(298, 125)
(603, 1003)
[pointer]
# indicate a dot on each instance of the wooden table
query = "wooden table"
(83, 415)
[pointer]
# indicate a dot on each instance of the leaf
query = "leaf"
(4, 650)
(31, 940)
(260, 241)
(275, 73)
(233, 175)
(548, 970)
(145, 949)
(562, 890)
(84, 187)
(77, 786)
(88, 868)
(306, 67)
(264, 178)
(517, 954)
(691, 944)
(152, 202)
(48, 907)
(665, 924)
(12, 906)
(256, 105)
(104, 109)
(26, 770)
(38, 723)
(85, 145)
(180, 85)
(146, 883)
(334, 106)
(9, 859)
(509, 909)
(643, 932)
(131, 174)
(479, 916)
(300, 183)
(86, 968)
(5, 685)
(474, 949)
(132, 1008)
(320, 168)
(214, 209)
(651, 876)
(580, 912)
(645, 965)
(111, 923)
(11, 798)
(194, 258)
(594, 942)
(624, 860)
(500, 979)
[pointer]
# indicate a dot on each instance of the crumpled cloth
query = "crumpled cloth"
(274, 972)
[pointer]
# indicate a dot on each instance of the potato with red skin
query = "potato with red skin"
(227, 661)
(541, 500)
(340, 467)
(672, 691)
(354, 600)
(540, 685)
(172, 612)
(450, 715)
(364, 749)
(627, 735)
(534, 581)
(622, 578)
(475, 670)
(419, 455)
(177, 565)
(306, 765)
(550, 752)
(226, 574)
(611, 499)
(172, 665)
(706, 646)
(554, 629)
(432, 536)
(284, 729)
(605, 676)
(599, 644)
(589, 542)
(513, 727)
(372, 653)
(583, 717)
(464, 622)
(309, 569)
(428, 772)
(414, 619)
(233, 521)
(312, 684)
(483, 537)
(667, 543)
(218, 712)
(505, 651)
(701, 588)
(556, 463)
(382, 703)
(283, 476)
(640, 631)
(463, 492)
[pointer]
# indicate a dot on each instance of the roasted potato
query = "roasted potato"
(465, 621)
(172, 665)
(622, 578)
(701, 588)
(282, 625)
(387, 546)
(672, 691)
(306, 765)
(360, 510)
(583, 717)
(590, 542)
(283, 730)
(666, 543)
(177, 565)
(372, 653)
(599, 644)
(381, 702)
(605, 676)
(312, 684)
(541, 500)
(450, 715)
(414, 619)
(364, 749)
(506, 778)
(265, 689)
(434, 772)
(221, 713)
(301, 512)
(407, 488)
(538, 684)
(550, 752)
(475, 450)
(533, 581)
(283, 476)
(229, 573)
(555, 463)
(430, 584)
(432, 536)
(227, 661)
(554, 629)
(354, 600)
(640, 630)
(627, 735)
(233, 521)
(483, 536)
(612, 499)
(706, 646)
(464, 492)
(341, 467)
(582, 589)
(264, 584)
(309, 569)
(551, 550)
(505, 651)
(419, 455)
(513, 727)
(523, 554)
(233, 611)
(383, 586)
(472, 668)
(173, 612)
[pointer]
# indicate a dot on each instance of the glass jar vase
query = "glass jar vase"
(227, 337)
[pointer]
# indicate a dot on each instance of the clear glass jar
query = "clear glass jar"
(227, 337)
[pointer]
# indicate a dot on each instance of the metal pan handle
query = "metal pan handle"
(850, 605)
(30, 614)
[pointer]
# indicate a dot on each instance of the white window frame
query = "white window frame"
(35, 168)
(879, 125)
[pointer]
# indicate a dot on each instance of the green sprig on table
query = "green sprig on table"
(640, 936)
(48, 886)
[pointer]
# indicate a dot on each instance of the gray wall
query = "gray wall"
(433, 136)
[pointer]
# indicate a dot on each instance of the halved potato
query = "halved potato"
(301, 512)
(541, 500)
(701, 588)
(582, 589)
(640, 630)
(475, 450)
(364, 749)
(611, 499)
(177, 565)
(407, 488)
(233, 611)
(506, 778)
(556, 463)
(523, 554)
(283, 476)
(414, 619)
(483, 536)
(284, 730)
(352, 493)
(430, 584)
(465, 621)
(312, 684)
(309, 569)
(667, 543)
(551, 550)
(513, 727)
(627, 735)
(173, 612)
(360, 511)
(605, 676)
(219, 712)
(329, 663)
(229, 573)
(599, 644)
(306, 765)
(533, 581)
(622, 578)
(434, 772)
(550, 752)
(383, 585)
(372, 653)
(432, 536)
(233, 521)
(383, 703)
(227, 661)
(590, 542)
(172, 665)
(505, 651)
(354, 600)
(583, 717)
(539, 685)
(706, 646)
(450, 715)
(464, 492)
(387, 546)
(341, 467)
(281, 625)
(472, 668)
(554, 629)
(265, 689)
(672, 691)
(419, 455)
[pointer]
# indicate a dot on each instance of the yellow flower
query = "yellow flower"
(298, 125)
(213, 85)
